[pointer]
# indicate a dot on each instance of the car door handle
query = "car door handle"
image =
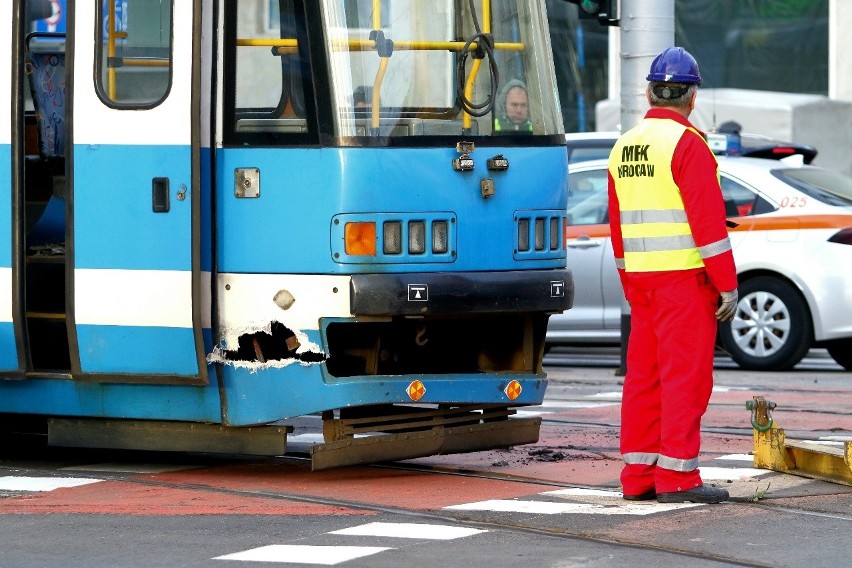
(583, 243)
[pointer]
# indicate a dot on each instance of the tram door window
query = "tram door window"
(134, 53)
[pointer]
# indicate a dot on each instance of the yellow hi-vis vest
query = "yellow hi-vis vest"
(654, 226)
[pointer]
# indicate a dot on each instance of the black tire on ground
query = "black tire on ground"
(841, 351)
(772, 329)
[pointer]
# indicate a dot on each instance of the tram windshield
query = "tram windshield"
(400, 68)
(424, 67)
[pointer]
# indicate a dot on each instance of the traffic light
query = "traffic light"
(604, 11)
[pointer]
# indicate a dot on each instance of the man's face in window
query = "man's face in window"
(517, 106)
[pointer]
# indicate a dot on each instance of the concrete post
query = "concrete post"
(647, 28)
(839, 44)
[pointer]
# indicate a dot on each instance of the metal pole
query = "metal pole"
(647, 28)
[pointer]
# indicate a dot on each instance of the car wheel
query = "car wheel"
(772, 329)
(841, 351)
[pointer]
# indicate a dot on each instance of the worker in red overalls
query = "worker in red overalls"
(674, 258)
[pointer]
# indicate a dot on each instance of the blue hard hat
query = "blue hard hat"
(675, 65)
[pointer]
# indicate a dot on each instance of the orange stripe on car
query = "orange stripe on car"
(760, 223)
(575, 231)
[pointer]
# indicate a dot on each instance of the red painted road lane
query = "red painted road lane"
(801, 410)
(127, 498)
(811, 398)
(577, 446)
(588, 455)
(575, 456)
(374, 485)
(800, 421)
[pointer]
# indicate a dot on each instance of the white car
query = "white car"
(792, 246)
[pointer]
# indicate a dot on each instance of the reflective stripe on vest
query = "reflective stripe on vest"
(676, 464)
(654, 225)
(504, 124)
(639, 458)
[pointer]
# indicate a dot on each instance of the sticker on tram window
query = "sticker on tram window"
(792, 202)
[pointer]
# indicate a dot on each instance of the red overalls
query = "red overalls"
(673, 296)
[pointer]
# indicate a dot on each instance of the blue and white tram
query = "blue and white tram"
(223, 214)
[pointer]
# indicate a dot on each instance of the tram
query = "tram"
(221, 215)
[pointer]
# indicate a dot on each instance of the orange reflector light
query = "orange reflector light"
(416, 390)
(513, 390)
(360, 238)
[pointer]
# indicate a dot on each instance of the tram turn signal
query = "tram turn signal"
(360, 238)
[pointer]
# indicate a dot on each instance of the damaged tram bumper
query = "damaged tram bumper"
(422, 364)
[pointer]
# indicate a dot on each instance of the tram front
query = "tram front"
(389, 204)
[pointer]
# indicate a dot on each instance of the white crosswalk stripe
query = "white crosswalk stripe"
(410, 530)
(582, 501)
(27, 483)
(730, 473)
(599, 400)
(328, 555)
(611, 504)
(304, 554)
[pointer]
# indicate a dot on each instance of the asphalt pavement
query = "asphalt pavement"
(555, 503)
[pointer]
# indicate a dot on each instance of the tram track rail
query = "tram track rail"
(565, 533)
(772, 509)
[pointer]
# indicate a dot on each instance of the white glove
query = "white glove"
(728, 307)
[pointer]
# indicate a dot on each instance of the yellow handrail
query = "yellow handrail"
(268, 42)
(377, 14)
(486, 16)
(377, 86)
(468, 89)
(470, 84)
(368, 44)
(111, 35)
(144, 62)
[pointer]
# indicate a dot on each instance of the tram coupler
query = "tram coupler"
(769, 452)
(817, 459)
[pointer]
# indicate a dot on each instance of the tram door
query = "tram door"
(8, 347)
(134, 245)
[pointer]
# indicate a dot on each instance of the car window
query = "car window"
(588, 153)
(741, 201)
(587, 198)
(827, 186)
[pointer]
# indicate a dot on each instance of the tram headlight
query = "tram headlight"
(392, 237)
(523, 234)
(440, 237)
(360, 238)
(539, 234)
(416, 237)
(554, 233)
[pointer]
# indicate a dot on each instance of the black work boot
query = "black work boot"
(700, 494)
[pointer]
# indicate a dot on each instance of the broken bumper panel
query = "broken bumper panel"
(548, 291)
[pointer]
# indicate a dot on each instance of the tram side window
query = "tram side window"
(134, 60)
(269, 90)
